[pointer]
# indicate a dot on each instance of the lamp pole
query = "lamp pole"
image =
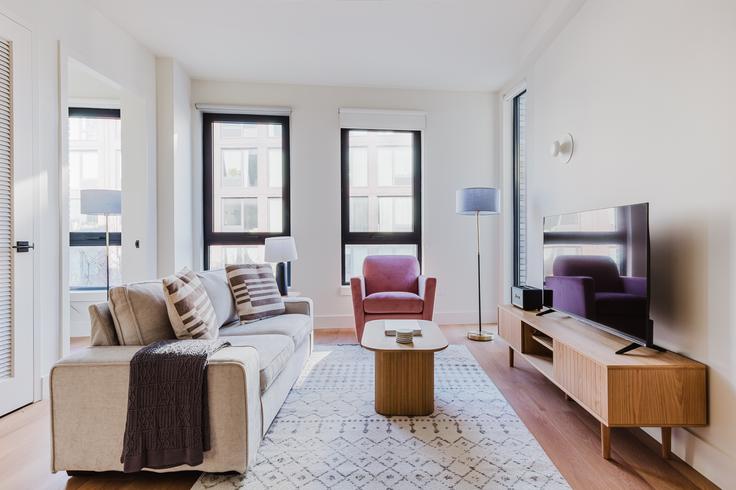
(477, 248)
(481, 335)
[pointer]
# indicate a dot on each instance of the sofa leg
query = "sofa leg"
(79, 473)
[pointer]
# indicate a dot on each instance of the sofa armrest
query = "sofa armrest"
(89, 404)
(427, 290)
(573, 294)
(299, 304)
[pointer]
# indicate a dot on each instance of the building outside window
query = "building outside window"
(94, 163)
(246, 190)
(381, 197)
(520, 182)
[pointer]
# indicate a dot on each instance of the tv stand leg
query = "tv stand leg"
(628, 348)
(666, 442)
(511, 356)
(605, 441)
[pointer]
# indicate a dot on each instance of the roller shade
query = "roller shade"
(351, 118)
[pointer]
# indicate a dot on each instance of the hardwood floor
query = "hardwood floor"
(566, 432)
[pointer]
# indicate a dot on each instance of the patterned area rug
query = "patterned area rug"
(327, 434)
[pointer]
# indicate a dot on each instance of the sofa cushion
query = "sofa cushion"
(139, 313)
(102, 331)
(190, 310)
(393, 302)
(255, 291)
(274, 352)
(296, 327)
(215, 283)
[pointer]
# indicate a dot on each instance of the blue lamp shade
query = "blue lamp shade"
(100, 201)
(481, 200)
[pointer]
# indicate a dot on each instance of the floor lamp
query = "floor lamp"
(478, 201)
(102, 202)
(280, 250)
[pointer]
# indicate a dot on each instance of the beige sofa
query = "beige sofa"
(247, 382)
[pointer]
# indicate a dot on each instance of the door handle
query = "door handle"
(23, 246)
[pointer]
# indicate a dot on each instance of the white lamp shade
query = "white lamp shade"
(481, 200)
(100, 201)
(280, 249)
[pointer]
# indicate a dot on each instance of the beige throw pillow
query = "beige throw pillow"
(255, 291)
(139, 313)
(190, 310)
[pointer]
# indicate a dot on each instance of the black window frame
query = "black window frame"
(413, 237)
(93, 238)
(212, 238)
(516, 189)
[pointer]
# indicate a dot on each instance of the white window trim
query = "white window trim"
(507, 194)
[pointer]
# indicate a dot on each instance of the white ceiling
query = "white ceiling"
(438, 44)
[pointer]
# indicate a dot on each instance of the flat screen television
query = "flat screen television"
(596, 268)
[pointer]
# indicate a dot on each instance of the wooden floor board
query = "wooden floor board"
(568, 434)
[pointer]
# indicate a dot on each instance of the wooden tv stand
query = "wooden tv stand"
(643, 388)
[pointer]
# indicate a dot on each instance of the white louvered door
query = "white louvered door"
(16, 218)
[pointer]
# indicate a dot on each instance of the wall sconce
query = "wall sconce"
(562, 148)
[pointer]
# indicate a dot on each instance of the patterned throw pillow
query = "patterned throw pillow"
(255, 291)
(190, 310)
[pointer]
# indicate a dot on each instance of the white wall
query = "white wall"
(77, 31)
(647, 90)
(459, 151)
(174, 170)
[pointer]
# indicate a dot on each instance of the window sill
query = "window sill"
(89, 296)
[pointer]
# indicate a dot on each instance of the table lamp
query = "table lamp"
(280, 250)
(478, 201)
(102, 202)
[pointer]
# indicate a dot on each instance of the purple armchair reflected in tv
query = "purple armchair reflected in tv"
(591, 287)
(596, 265)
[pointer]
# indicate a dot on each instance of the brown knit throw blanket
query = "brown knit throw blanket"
(168, 423)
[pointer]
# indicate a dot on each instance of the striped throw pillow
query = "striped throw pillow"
(255, 291)
(190, 310)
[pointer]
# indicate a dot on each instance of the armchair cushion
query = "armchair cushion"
(393, 302)
(391, 273)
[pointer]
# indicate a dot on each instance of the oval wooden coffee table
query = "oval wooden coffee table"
(404, 372)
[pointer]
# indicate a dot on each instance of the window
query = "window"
(246, 185)
(94, 163)
(381, 196)
(520, 180)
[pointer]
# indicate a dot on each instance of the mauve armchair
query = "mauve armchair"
(391, 288)
(591, 287)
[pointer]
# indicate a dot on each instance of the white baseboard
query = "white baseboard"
(706, 459)
(441, 317)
